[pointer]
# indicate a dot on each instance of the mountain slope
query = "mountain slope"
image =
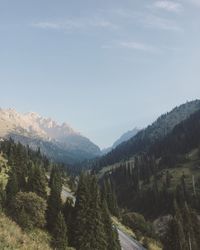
(170, 168)
(153, 133)
(183, 138)
(125, 137)
(59, 142)
(12, 237)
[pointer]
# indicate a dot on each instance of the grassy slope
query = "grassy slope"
(109, 168)
(11, 235)
(190, 168)
(13, 238)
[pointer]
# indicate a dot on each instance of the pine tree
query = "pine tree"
(184, 188)
(60, 233)
(37, 181)
(96, 232)
(183, 230)
(189, 224)
(20, 163)
(111, 233)
(89, 228)
(171, 241)
(168, 179)
(54, 203)
(11, 188)
(108, 193)
(68, 212)
(2, 197)
(180, 228)
(80, 227)
(196, 226)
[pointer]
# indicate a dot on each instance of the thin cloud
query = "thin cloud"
(46, 25)
(146, 19)
(132, 45)
(67, 25)
(153, 21)
(168, 6)
(75, 24)
(137, 46)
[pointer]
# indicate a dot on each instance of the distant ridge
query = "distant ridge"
(155, 132)
(125, 137)
(58, 141)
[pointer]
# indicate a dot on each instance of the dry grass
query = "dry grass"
(13, 238)
(123, 228)
(152, 244)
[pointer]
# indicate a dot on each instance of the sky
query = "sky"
(103, 66)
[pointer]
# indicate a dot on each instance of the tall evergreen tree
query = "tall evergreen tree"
(2, 197)
(11, 188)
(111, 233)
(183, 230)
(68, 212)
(189, 226)
(60, 233)
(80, 226)
(91, 226)
(54, 203)
(108, 193)
(96, 231)
(37, 181)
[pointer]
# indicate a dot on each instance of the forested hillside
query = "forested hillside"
(147, 137)
(34, 202)
(155, 194)
(163, 181)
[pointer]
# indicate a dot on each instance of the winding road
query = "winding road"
(128, 243)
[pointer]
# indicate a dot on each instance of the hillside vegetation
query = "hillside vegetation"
(164, 180)
(147, 137)
(13, 238)
(34, 202)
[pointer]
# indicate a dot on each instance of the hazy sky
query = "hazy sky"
(103, 66)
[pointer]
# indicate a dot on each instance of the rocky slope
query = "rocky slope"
(58, 141)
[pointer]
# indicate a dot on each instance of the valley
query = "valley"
(132, 198)
(100, 125)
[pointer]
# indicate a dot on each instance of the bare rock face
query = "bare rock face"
(34, 124)
(59, 141)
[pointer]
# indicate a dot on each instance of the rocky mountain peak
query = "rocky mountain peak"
(59, 141)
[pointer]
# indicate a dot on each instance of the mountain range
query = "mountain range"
(58, 141)
(62, 143)
(150, 135)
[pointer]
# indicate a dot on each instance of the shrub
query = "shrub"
(29, 210)
(138, 223)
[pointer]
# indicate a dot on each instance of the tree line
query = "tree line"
(33, 200)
